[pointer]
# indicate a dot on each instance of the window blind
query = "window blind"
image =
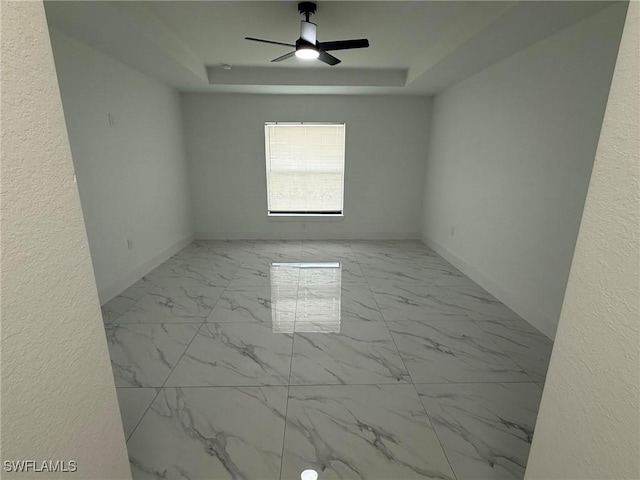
(305, 168)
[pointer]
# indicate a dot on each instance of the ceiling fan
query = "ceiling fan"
(307, 46)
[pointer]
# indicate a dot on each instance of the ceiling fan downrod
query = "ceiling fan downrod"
(307, 9)
(307, 46)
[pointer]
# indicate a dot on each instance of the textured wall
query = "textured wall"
(386, 141)
(58, 396)
(589, 422)
(510, 157)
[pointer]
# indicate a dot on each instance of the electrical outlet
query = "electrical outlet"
(130, 244)
(111, 120)
(452, 232)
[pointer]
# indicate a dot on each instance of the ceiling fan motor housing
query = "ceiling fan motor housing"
(307, 8)
(307, 46)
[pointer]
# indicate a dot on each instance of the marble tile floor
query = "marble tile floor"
(360, 360)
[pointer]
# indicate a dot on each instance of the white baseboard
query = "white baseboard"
(514, 301)
(307, 236)
(140, 271)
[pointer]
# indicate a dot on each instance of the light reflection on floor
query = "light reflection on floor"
(305, 297)
(263, 359)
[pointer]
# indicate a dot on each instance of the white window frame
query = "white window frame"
(303, 215)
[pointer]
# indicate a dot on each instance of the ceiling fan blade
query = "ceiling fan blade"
(308, 32)
(328, 58)
(269, 41)
(343, 44)
(284, 57)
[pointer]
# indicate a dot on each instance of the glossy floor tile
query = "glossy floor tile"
(234, 354)
(486, 428)
(133, 405)
(177, 304)
(145, 355)
(358, 359)
(358, 303)
(452, 352)
(361, 353)
(211, 433)
(479, 304)
(530, 349)
(243, 304)
(121, 303)
(400, 301)
(376, 432)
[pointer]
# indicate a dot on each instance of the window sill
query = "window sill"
(304, 218)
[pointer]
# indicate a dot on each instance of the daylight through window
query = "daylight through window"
(305, 168)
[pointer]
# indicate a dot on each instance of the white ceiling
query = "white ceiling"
(416, 47)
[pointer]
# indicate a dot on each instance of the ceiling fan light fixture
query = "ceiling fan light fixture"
(307, 46)
(307, 53)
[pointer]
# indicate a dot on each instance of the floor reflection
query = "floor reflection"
(195, 355)
(305, 297)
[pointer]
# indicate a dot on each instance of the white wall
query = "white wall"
(132, 176)
(58, 396)
(386, 142)
(588, 426)
(510, 157)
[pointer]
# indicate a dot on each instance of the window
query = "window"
(305, 168)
